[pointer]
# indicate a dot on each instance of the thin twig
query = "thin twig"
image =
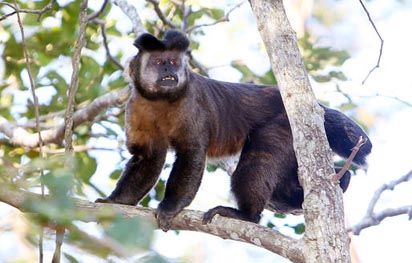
(371, 218)
(197, 64)
(32, 85)
(377, 218)
(74, 83)
(389, 186)
(99, 12)
(69, 123)
(406, 103)
(380, 37)
(355, 150)
(160, 14)
(40, 12)
(36, 112)
(186, 12)
(106, 44)
(223, 19)
(60, 230)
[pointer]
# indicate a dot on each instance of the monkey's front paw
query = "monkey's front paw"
(208, 216)
(164, 218)
(104, 200)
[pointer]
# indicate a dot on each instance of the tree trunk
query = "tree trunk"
(325, 238)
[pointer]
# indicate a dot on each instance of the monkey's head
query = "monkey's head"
(159, 70)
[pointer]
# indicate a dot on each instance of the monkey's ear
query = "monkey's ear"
(147, 42)
(176, 40)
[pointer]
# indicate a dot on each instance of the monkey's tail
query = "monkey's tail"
(343, 134)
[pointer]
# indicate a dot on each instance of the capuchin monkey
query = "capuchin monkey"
(172, 107)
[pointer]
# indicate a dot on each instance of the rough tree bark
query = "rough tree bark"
(325, 238)
(222, 227)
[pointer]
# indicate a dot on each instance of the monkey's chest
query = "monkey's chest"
(147, 124)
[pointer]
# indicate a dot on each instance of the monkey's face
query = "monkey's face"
(160, 74)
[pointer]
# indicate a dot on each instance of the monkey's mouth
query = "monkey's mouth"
(168, 80)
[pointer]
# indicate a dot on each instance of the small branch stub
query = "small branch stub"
(355, 150)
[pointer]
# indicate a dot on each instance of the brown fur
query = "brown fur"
(172, 107)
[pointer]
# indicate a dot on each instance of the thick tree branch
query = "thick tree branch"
(225, 228)
(21, 137)
(323, 202)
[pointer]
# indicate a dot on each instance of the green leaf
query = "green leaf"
(278, 215)
(131, 232)
(300, 229)
(211, 167)
(270, 225)
(86, 166)
(318, 58)
(115, 174)
(70, 258)
(249, 76)
(154, 258)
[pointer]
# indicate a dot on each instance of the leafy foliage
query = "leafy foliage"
(125, 232)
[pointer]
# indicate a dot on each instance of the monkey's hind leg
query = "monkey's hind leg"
(251, 190)
(139, 176)
(258, 172)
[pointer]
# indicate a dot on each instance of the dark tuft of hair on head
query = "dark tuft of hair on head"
(147, 42)
(173, 40)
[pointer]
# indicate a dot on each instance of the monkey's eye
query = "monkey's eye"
(158, 61)
(174, 61)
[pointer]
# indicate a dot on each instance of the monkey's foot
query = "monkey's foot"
(228, 212)
(164, 218)
(104, 200)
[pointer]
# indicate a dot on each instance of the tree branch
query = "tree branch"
(371, 218)
(223, 19)
(376, 218)
(106, 44)
(161, 15)
(21, 137)
(325, 239)
(40, 12)
(355, 150)
(380, 38)
(99, 12)
(131, 12)
(225, 228)
(74, 83)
